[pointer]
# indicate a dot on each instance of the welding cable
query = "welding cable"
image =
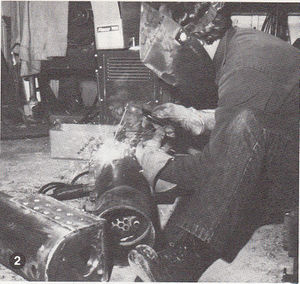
(50, 186)
(79, 176)
(64, 191)
(71, 192)
(67, 191)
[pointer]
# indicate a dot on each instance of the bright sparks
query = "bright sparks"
(110, 151)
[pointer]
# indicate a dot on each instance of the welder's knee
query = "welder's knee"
(244, 120)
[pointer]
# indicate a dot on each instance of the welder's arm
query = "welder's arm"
(154, 160)
(151, 157)
(237, 90)
(195, 121)
(187, 172)
(208, 116)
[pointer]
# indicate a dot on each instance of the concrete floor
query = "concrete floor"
(26, 165)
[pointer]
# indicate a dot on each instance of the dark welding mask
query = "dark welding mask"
(172, 51)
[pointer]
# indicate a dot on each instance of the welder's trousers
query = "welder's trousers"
(247, 176)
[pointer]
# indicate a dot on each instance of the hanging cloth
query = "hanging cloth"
(39, 32)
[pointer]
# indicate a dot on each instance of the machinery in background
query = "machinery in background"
(122, 78)
(112, 61)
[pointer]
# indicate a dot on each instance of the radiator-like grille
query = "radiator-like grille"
(127, 69)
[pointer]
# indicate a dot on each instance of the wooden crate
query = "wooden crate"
(67, 140)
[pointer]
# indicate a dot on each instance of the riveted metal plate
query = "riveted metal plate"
(55, 210)
(55, 239)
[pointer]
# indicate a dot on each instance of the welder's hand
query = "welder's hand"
(157, 138)
(155, 141)
(169, 130)
(188, 118)
(151, 158)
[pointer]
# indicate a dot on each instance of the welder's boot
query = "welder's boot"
(184, 261)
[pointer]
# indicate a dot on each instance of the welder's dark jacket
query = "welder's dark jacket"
(259, 71)
(255, 73)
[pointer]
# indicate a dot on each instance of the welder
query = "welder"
(247, 174)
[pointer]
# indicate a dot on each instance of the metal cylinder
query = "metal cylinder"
(59, 243)
(129, 212)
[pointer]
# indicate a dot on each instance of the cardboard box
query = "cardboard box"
(67, 141)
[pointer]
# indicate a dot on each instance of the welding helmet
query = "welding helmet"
(171, 44)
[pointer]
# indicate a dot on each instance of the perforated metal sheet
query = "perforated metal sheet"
(57, 211)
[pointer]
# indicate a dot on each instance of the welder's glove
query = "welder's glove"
(169, 130)
(156, 140)
(151, 157)
(188, 118)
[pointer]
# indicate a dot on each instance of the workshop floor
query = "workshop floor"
(26, 165)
